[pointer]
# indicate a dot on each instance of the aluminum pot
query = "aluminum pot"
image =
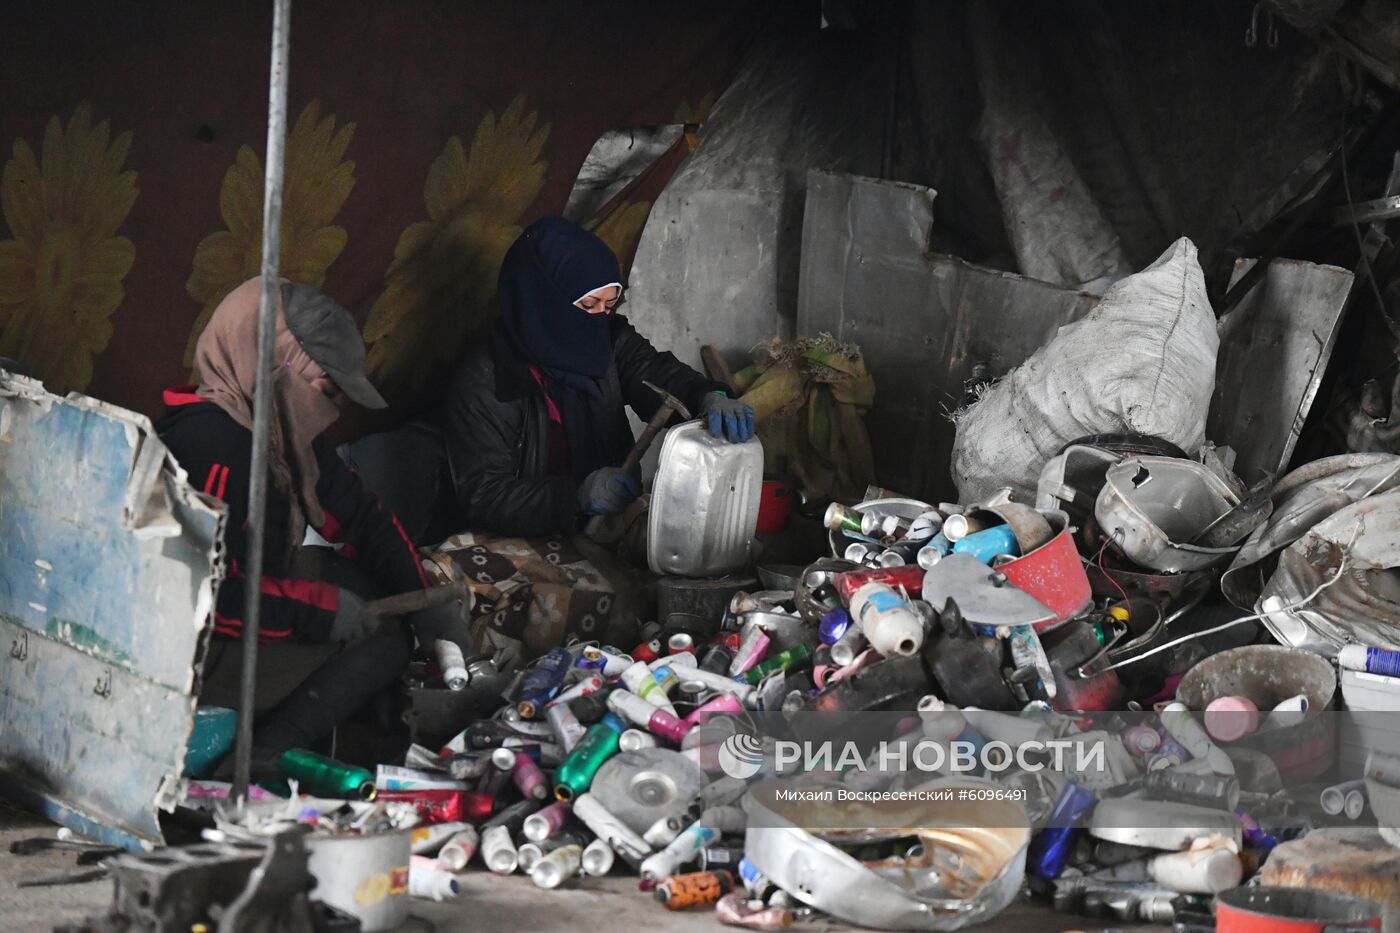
(1151, 506)
(1268, 675)
(363, 875)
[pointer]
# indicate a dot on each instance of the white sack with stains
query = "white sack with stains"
(1143, 361)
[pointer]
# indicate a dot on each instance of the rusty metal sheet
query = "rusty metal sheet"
(107, 579)
(922, 321)
(1274, 348)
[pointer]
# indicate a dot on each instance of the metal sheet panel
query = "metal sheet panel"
(922, 321)
(108, 571)
(1274, 348)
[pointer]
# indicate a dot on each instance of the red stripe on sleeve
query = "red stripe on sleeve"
(331, 529)
(312, 592)
(223, 482)
(412, 551)
(209, 483)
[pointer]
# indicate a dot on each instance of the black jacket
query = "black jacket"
(496, 428)
(216, 452)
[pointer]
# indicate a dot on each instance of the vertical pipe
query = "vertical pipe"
(262, 389)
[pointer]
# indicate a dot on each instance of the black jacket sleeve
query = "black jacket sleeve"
(372, 535)
(638, 362)
(216, 453)
(485, 438)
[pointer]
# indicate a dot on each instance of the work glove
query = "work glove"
(727, 417)
(352, 617)
(608, 491)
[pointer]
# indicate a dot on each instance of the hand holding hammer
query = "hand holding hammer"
(669, 405)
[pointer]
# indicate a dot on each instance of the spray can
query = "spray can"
(426, 840)
(427, 880)
(468, 766)
(529, 778)
(499, 851)
(833, 625)
(599, 744)
(532, 853)
(1371, 660)
(851, 643)
(721, 857)
(840, 517)
(1051, 848)
(655, 720)
(545, 822)
(1141, 740)
(908, 579)
(703, 679)
(568, 731)
(989, 544)
(321, 776)
(542, 680)
(751, 650)
(597, 859)
(1348, 797)
(611, 663)
(557, 867)
(389, 777)
(886, 620)
(641, 680)
(458, 852)
(725, 703)
(633, 740)
(716, 659)
(795, 657)
(453, 665)
(683, 849)
(693, 890)
(1177, 720)
(1216, 791)
(609, 828)
(497, 776)
(957, 527)
(586, 685)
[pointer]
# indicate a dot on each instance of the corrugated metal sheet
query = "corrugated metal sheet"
(923, 321)
(108, 566)
(1274, 348)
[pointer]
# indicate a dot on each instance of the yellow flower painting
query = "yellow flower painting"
(61, 275)
(439, 287)
(316, 185)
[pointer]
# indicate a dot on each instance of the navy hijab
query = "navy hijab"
(550, 266)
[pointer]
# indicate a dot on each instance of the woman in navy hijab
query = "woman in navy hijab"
(535, 418)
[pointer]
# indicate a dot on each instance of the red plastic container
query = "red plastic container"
(774, 506)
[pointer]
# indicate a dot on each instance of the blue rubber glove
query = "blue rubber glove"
(608, 491)
(727, 417)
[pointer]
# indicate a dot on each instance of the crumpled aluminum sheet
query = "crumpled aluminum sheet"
(971, 869)
(1302, 499)
(1363, 606)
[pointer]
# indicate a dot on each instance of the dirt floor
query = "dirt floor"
(485, 903)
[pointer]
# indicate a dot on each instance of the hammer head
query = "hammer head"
(668, 400)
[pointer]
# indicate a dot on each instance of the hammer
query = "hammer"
(669, 405)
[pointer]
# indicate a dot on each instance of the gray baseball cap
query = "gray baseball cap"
(328, 334)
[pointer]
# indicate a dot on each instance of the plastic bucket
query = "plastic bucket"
(363, 875)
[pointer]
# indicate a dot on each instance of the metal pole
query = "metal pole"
(262, 389)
